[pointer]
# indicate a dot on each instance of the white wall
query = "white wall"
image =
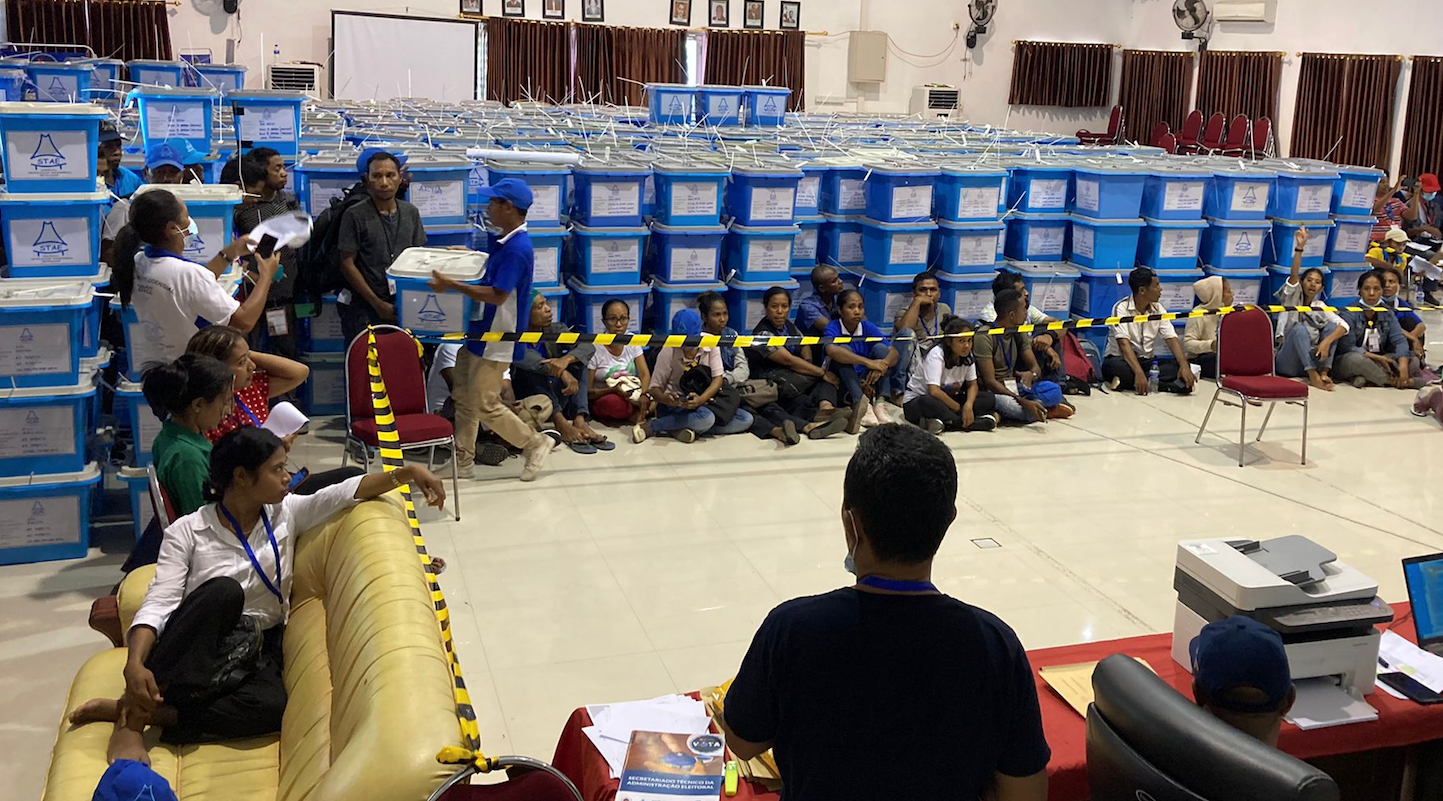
(920, 27)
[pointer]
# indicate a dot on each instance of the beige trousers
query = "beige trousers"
(477, 393)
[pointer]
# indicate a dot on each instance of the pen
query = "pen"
(1384, 663)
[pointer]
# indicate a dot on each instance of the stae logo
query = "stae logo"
(431, 313)
(49, 242)
(32, 419)
(46, 157)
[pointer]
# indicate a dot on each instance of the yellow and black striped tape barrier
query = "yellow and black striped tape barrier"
(392, 459)
(752, 340)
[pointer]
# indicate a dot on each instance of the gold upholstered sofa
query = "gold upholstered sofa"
(370, 689)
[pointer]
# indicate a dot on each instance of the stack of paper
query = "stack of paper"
(613, 724)
(1322, 704)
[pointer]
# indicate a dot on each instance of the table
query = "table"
(1400, 723)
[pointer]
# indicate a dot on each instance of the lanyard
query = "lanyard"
(386, 232)
(1009, 355)
(154, 252)
(252, 415)
(936, 324)
(275, 588)
(891, 585)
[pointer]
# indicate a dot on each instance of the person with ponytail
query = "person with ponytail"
(172, 295)
(259, 377)
(191, 395)
(205, 656)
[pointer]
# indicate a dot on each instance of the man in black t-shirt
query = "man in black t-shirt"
(890, 689)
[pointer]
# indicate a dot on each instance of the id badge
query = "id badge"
(276, 324)
(1012, 386)
(1371, 340)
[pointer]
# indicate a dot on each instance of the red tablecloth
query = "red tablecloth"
(1400, 723)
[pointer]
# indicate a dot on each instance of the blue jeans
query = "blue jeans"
(670, 419)
(1295, 356)
(741, 421)
(891, 382)
(525, 383)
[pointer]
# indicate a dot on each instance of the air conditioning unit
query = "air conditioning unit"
(936, 100)
(298, 76)
(1260, 11)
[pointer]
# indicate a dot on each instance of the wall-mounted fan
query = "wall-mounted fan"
(981, 12)
(1191, 16)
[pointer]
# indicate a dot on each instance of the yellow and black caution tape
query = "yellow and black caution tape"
(751, 340)
(392, 459)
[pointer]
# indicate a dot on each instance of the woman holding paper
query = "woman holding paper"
(259, 378)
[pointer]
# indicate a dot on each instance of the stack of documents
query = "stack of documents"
(613, 724)
(1398, 655)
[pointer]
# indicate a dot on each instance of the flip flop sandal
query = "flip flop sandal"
(582, 447)
(603, 444)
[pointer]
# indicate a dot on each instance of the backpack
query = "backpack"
(319, 260)
(1081, 360)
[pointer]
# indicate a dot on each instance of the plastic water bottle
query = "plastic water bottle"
(1152, 379)
(276, 55)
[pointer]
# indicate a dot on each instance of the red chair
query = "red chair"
(160, 502)
(1245, 370)
(1187, 139)
(1238, 141)
(1114, 131)
(1212, 137)
(1168, 143)
(399, 355)
(1262, 145)
(1158, 132)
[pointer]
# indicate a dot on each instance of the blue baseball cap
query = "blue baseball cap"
(686, 322)
(1240, 653)
(189, 156)
(127, 780)
(109, 133)
(1047, 393)
(164, 154)
(511, 190)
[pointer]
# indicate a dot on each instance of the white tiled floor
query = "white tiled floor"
(645, 571)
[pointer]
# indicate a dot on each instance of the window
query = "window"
(693, 59)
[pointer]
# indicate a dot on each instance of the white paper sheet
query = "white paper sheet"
(285, 420)
(1402, 656)
(1322, 704)
(290, 230)
(612, 724)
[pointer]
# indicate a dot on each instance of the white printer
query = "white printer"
(1323, 609)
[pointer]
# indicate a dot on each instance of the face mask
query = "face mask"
(191, 235)
(1429, 196)
(850, 564)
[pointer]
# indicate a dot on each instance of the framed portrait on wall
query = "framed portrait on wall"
(791, 15)
(753, 12)
(681, 12)
(470, 6)
(593, 11)
(553, 9)
(719, 14)
(513, 8)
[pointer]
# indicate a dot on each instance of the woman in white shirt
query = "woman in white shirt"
(205, 648)
(619, 375)
(942, 394)
(173, 297)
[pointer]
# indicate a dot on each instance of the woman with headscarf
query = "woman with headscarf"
(1200, 338)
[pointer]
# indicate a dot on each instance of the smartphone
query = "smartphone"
(266, 246)
(298, 477)
(1411, 688)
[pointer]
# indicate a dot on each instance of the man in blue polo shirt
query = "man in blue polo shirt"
(505, 291)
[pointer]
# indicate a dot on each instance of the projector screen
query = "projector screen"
(384, 56)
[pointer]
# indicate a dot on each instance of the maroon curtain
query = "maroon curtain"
(1061, 74)
(123, 29)
(1345, 108)
(1155, 88)
(528, 60)
(1423, 127)
(614, 63)
(774, 58)
(1232, 82)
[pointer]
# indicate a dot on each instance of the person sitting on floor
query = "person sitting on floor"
(942, 392)
(1132, 347)
(1306, 341)
(205, 657)
(820, 308)
(866, 369)
(1412, 325)
(805, 390)
(619, 374)
(1240, 675)
(559, 372)
(1200, 337)
(1046, 345)
(921, 321)
(940, 692)
(1007, 368)
(714, 319)
(682, 410)
(1374, 352)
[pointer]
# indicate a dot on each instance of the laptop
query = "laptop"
(1424, 575)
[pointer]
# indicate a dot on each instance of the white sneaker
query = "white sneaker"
(535, 455)
(879, 410)
(933, 426)
(466, 469)
(869, 416)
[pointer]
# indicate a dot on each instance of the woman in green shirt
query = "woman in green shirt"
(192, 394)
